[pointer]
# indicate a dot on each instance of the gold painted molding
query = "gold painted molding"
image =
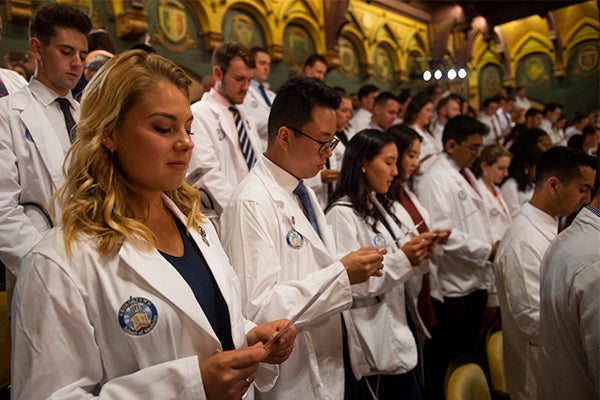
(18, 10)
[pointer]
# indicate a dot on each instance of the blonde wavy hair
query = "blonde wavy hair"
(94, 198)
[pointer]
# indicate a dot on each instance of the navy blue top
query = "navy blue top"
(193, 268)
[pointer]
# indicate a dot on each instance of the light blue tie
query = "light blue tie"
(244, 139)
(302, 194)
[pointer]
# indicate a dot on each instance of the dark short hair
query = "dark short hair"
(588, 130)
(550, 107)
(461, 127)
(383, 97)
(295, 101)
(313, 59)
(100, 39)
(563, 163)
(50, 16)
(489, 100)
(222, 56)
(341, 91)
(445, 100)
(532, 112)
(366, 90)
(258, 49)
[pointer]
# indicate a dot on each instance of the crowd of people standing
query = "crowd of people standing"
(280, 242)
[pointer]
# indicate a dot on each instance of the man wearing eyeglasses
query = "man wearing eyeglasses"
(448, 191)
(282, 248)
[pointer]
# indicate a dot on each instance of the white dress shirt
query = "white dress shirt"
(517, 268)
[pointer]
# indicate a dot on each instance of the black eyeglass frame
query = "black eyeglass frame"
(331, 144)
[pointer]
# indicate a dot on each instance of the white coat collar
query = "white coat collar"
(37, 126)
(546, 224)
(281, 185)
(454, 172)
(149, 266)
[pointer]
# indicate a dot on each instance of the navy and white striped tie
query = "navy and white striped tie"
(245, 144)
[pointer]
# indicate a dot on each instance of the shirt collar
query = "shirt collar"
(255, 84)
(284, 179)
(220, 100)
(546, 223)
(44, 95)
(451, 161)
(593, 210)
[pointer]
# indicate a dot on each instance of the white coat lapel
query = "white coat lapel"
(292, 212)
(36, 123)
(151, 266)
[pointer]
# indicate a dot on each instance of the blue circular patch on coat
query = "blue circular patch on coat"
(462, 195)
(138, 316)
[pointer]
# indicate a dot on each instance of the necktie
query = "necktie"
(263, 92)
(302, 194)
(65, 107)
(245, 144)
(330, 184)
(465, 175)
(424, 300)
(3, 89)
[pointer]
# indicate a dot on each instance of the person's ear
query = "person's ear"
(450, 146)
(218, 73)
(108, 141)
(35, 45)
(283, 137)
(553, 184)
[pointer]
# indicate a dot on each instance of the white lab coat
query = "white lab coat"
(278, 279)
(12, 80)
(359, 121)
(453, 204)
(67, 338)
(569, 356)
(517, 269)
(515, 198)
(258, 110)
(217, 151)
(31, 159)
(379, 310)
(430, 150)
(500, 220)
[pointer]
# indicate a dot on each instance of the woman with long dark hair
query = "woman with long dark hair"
(382, 349)
(418, 117)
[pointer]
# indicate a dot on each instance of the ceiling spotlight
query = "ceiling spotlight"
(451, 73)
(437, 75)
(462, 73)
(427, 75)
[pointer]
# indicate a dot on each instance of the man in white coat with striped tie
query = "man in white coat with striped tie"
(227, 143)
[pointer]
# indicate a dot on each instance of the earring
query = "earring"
(364, 171)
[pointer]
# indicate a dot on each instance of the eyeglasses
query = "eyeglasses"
(330, 145)
(475, 148)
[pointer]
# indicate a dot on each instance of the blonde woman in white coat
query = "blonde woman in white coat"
(490, 170)
(382, 349)
(112, 303)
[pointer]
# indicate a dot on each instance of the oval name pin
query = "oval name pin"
(294, 239)
(379, 240)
